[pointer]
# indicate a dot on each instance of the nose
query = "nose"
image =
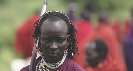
(54, 45)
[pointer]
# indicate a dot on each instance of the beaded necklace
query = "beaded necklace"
(43, 66)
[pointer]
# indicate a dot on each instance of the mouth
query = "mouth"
(53, 54)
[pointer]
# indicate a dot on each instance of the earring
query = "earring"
(65, 52)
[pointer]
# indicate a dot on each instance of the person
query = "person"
(72, 7)
(84, 28)
(104, 31)
(119, 29)
(129, 46)
(56, 39)
(96, 52)
(23, 44)
(129, 50)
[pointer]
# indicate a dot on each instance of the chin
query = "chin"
(91, 64)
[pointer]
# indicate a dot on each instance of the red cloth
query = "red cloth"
(114, 60)
(127, 27)
(84, 28)
(24, 41)
(119, 31)
(122, 30)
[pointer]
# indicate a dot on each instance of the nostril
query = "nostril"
(53, 49)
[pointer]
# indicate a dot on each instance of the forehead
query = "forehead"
(54, 27)
(91, 46)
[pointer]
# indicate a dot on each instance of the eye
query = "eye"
(61, 40)
(45, 39)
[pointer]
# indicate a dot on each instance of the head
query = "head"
(103, 16)
(56, 34)
(72, 7)
(85, 14)
(96, 52)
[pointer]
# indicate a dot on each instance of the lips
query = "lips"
(53, 53)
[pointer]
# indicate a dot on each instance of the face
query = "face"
(92, 57)
(53, 40)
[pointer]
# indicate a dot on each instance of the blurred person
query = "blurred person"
(129, 46)
(96, 52)
(129, 50)
(127, 27)
(84, 29)
(57, 45)
(119, 29)
(72, 7)
(24, 41)
(104, 31)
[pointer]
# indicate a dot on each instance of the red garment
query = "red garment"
(122, 30)
(68, 65)
(84, 28)
(127, 27)
(114, 60)
(24, 41)
(119, 31)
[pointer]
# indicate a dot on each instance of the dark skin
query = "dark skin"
(53, 40)
(93, 58)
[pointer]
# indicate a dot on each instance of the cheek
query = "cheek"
(63, 45)
(44, 46)
(95, 56)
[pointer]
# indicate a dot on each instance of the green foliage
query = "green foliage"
(110, 5)
(2, 1)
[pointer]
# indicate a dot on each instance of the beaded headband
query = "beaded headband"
(51, 12)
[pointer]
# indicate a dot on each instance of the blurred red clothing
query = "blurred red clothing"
(122, 30)
(127, 27)
(24, 41)
(119, 31)
(84, 29)
(114, 60)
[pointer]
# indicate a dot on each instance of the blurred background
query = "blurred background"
(14, 12)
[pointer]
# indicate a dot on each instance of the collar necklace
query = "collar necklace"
(43, 66)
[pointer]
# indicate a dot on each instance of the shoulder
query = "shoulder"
(27, 67)
(73, 65)
(77, 67)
